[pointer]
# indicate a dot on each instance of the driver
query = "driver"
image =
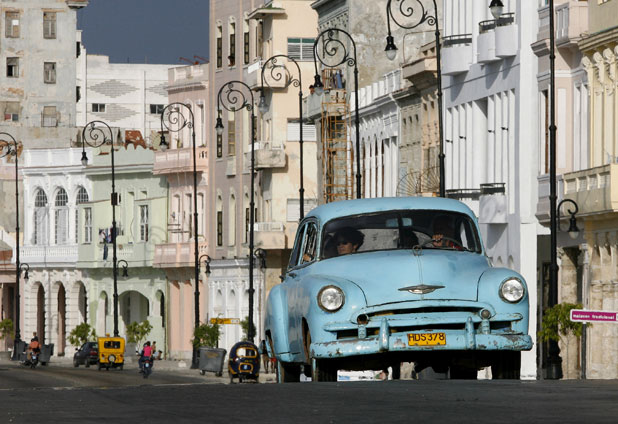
(444, 234)
(34, 346)
(348, 240)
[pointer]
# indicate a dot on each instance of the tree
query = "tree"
(245, 328)
(136, 332)
(206, 335)
(6, 328)
(81, 334)
(557, 321)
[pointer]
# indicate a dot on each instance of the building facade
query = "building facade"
(490, 121)
(175, 255)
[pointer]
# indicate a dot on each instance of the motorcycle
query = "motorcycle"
(33, 361)
(147, 366)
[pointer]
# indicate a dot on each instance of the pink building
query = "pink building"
(187, 85)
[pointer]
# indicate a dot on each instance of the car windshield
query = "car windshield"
(393, 230)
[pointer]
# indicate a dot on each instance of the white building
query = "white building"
(129, 96)
(491, 116)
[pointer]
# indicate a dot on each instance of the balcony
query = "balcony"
(275, 78)
(267, 156)
(456, 54)
(506, 36)
(492, 204)
(180, 160)
(571, 22)
(269, 235)
(595, 190)
(542, 206)
(177, 255)
(487, 42)
(49, 254)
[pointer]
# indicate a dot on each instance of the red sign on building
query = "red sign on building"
(583, 315)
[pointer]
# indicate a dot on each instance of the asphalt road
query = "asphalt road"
(65, 395)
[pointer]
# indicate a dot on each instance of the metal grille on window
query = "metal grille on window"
(61, 217)
(82, 197)
(50, 72)
(143, 221)
(40, 218)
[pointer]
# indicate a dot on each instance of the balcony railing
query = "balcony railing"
(176, 255)
(464, 193)
(270, 235)
(180, 160)
(267, 155)
(34, 254)
(593, 189)
(457, 54)
(453, 40)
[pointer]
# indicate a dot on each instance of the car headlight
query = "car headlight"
(331, 298)
(512, 290)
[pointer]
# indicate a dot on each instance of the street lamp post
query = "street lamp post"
(279, 72)
(554, 361)
(233, 99)
(332, 54)
(407, 11)
(12, 149)
(174, 120)
(96, 134)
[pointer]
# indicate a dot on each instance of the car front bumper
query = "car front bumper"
(386, 341)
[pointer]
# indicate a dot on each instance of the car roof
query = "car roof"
(326, 212)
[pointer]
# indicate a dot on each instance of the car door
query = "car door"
(303, 257)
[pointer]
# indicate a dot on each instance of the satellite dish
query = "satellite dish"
(420, 183)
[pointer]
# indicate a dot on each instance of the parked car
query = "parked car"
(372, 283)
(87, 354)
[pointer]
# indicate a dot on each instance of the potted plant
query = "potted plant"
(556, 323)
(6, 330)
(136, 333)
(206, 341)
(81, 334)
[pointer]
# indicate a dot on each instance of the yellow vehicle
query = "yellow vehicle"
(111, 352)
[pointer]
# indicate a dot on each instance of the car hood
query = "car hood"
(400, 275)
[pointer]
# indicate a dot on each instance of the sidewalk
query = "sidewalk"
(181, 366)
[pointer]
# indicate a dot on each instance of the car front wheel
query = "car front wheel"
(506, 366)
(323, 370)
(75, 363)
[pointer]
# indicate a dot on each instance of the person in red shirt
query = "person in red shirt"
(144, 355)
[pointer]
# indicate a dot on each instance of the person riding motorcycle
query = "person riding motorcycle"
(144, 356)
(33, 347)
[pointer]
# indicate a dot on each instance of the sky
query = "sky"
(145, 31)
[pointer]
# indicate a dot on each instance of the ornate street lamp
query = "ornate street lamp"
(554, 361)
(279, 72)
(10, 148)
(573, 230)
(332, 53)
(96, 134)
(206, 259)
(233, 99)
(174, 120)
(407, 9)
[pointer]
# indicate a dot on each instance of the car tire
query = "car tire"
(462, 373)
(288, 373)
(323, 370)
(506, 366)
(75, 363)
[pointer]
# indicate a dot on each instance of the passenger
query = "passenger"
(348, 240)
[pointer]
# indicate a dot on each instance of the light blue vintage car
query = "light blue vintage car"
(372, 283)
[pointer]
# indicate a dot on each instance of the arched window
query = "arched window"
(82, 197)
(61, 217)
(40, 218)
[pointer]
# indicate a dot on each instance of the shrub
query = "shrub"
(206, 335)
(81, 334)
(136, 332)
(245, 328)
(6, 328)
(557, 321)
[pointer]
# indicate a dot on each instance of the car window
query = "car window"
(297, 246)
(309, 243)
(392, 230)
